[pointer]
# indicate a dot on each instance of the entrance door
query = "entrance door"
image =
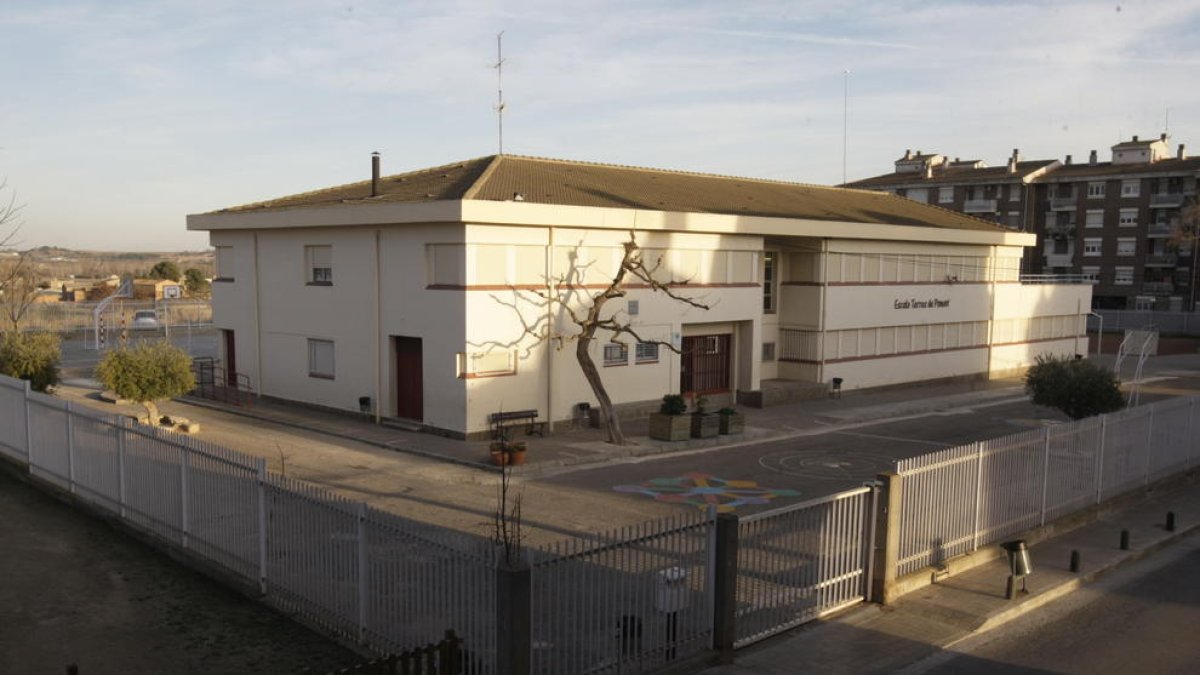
(230, 356)
(704, 364)
(409, 384)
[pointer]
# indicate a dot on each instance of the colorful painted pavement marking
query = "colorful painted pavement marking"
(703, 490)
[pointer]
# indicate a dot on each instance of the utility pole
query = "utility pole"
(845, 117)
(499, 91)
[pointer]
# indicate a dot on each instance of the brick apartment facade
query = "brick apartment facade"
(1119, 223)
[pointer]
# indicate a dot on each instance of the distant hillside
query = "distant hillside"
(58, 262)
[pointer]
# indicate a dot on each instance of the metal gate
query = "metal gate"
(704, 364)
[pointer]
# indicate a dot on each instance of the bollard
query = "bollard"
(1124, 540)
(1170, 521)
(1074, 561)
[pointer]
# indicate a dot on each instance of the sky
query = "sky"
(120, 117)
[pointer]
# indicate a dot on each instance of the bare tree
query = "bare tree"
(587, 312)
(18, 287)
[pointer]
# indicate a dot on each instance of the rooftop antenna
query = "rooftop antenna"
(845, 117)
(499, 91)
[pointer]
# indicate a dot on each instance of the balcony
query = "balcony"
(1060, 259)
(1158, 288)
(979, 206)
(1060, 229)
(1158, 230)
(1161, 260)
(1063, 203)
(1166, 200)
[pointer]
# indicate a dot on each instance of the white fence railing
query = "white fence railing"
(629, 601)
(1169, 323)
(372, 577)
(959, 499)
(800, 562)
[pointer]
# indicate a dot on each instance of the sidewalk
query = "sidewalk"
(876, 639)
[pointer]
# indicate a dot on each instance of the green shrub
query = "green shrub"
(1079, 388)
(31, 356)
(673, 404)
(149, 372)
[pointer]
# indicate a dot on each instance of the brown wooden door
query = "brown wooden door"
(230, 356)
(410, 387)
(704, 364)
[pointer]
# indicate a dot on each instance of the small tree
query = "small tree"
(147, 373)
(165, 270)
(31, 356)
(196, 283)
(1078, 388)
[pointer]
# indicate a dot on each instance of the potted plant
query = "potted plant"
(704, 424)
(505, 452)
(732, 421)
(670, 423)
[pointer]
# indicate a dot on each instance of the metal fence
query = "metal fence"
(66, 317)
(627, 601)
(372, 577)
(956, 500)
(800, 562)
(1168, 323)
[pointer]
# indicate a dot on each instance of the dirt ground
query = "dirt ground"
(77, 591)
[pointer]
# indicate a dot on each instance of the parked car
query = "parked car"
(145, 318)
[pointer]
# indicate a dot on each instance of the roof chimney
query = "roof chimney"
(1092, 157)
(1163, 137)
(1016, 154)
(929, 171)
(908, 154)
(1068, 160)
(1135, 139)
(374, 174)
(1181, 154)
(1012, 164)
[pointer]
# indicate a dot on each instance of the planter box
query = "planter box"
(670, 427)
(733, 424)
(705, 426)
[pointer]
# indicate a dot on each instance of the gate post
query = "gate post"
(725, 587)
(887, 538)
(514, 619)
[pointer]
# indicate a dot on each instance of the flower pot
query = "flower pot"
(504, 454)
(669, 427)
(705, 425)
(733, 423)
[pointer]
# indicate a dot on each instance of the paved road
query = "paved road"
(76, 591)
(1142, 619)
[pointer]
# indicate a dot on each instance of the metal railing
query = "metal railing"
(1056, 279)
(799, 345)
(65, 317)
(803, 561)
(375, 578)
(959, 499)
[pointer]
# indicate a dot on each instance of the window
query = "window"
(1129, 218)
(1014, 193)
(319, 261)
(918, 195)
(1143, 304)
(320, 359)
(493, 363)
(769, 282)
(768, 352)
(1095, 218)
(1127, 246)
(1091, 274)
(945, 195)
(1123, 276)
(1095, 190)
(1131, 188)
(646, 352)
(1091, 247)
(616, 354)
(224, 263)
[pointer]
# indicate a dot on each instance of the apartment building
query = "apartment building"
(1120, 223)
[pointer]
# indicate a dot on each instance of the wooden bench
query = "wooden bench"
(501, 421)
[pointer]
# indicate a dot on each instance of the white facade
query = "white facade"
(436, 311)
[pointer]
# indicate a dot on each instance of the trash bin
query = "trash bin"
(364, 403)
(836, 388)
(1018, 557)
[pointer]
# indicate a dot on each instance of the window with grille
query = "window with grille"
(319, 261)
(616, 354)
(646, 352)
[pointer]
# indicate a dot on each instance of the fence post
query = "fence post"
(978, 493)
(725, 587)
(887, 538)
(120, 426)
(1045, 474)
(70, 447)
(183, 495)
(28, 428)
(1100, 458)
(1149, 440)
(362, 572)
(1192, 439)
(514, 624)
(261, 471)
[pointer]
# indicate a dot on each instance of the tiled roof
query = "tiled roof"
(952, 176)
(570, 183)
(1070, 172)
